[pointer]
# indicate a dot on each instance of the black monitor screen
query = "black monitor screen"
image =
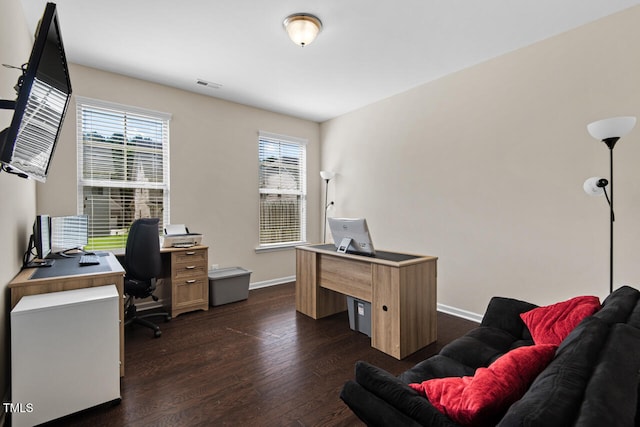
(42, 236)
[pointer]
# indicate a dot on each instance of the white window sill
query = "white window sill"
(279, 247)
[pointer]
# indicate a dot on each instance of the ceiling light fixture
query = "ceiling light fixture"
(302, 28)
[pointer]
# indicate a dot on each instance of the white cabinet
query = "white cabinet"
(64, 353)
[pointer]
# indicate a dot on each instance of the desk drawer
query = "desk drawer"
(190, 270)
(190, 256)
(190, 292)
(346, 276)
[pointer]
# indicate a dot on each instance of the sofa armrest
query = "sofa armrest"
(399, 395)
(373, 410)
(504, 313)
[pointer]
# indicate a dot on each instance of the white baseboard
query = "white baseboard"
(272, 282)
(464, 314)
(474, 317)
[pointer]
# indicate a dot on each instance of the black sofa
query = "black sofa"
(592, 380)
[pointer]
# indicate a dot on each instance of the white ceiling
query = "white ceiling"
(367, 51)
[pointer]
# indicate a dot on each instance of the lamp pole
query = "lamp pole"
(611, 142)
(326, 175)
(326, 206)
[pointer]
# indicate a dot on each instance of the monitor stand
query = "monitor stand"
(40, 263)
(344, 245)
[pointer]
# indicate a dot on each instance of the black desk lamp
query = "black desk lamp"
(327, 176)
(608, 131)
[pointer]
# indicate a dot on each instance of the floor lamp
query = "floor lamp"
(327, 176)
(608, 131)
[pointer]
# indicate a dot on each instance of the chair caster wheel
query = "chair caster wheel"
(157, 333)
(167, 318)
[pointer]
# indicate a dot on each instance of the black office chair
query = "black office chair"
(142, 265)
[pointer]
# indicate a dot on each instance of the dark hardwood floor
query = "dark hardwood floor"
(256, 362)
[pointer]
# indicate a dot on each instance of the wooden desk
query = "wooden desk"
(66, 274)
(400, 287)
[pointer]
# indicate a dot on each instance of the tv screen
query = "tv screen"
(44, 90)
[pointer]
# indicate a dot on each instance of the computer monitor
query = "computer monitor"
(351, 235)
(42, 236)
(40, 241)
(69, 232)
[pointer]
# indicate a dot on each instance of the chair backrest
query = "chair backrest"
(142, 257)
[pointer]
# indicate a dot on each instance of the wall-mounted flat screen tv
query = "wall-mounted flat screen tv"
(44, 90)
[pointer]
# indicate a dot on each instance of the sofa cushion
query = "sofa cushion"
(551, 324)
(504, 313)
(483, 398)
(554, 398)
(612, 393)
(437, 366)
(480, 346)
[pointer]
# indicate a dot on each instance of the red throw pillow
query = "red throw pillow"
(479, 399)
(552, 324)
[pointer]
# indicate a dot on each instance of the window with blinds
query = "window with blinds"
(123, 169)
(282, 189)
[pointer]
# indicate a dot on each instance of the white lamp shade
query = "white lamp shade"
(302, 28)
(611, 128)
(591, 186)
(327, 175)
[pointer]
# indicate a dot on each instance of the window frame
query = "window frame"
(82, 105)
(302, 143)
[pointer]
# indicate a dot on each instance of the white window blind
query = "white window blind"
(282, 189)
(123, 169)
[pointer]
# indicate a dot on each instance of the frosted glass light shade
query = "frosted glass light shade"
(327, 175)
(591, 186)
(615, 127)
(302, 28)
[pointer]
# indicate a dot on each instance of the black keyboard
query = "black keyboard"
(87, 259)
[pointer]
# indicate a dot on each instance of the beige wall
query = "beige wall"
(214, 167)
(17, 210)
(484, 169)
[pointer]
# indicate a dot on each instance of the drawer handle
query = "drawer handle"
(190, 253)
(190, 267)
(191, 281)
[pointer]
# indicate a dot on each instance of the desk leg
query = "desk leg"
(403, 308)
(311, 299)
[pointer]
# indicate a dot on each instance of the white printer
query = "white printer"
(178, 236)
